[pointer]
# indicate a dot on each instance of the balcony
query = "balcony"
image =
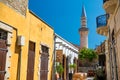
(109, 6)
(102, 27)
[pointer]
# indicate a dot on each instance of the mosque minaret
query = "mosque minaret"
(83, 30)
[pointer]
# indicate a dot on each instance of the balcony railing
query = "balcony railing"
(105, 1)
(102, 20)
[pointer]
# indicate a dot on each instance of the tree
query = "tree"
(86, 53)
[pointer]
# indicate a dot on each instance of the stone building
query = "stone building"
(26, 43)
(109, 26)
(66, 54)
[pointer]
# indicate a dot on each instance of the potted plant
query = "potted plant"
(60, 70)
(100, 74)
(72, 67)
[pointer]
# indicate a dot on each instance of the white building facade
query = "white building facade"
(70, 53)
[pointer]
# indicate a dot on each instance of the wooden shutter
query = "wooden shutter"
(44, 63)
(3, 52)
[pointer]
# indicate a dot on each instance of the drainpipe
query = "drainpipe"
(19, 63)
(21, 43)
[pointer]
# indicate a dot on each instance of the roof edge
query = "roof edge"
(40, 19)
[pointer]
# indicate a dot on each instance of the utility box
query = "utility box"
(21, 40)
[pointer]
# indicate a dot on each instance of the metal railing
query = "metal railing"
(102, 20)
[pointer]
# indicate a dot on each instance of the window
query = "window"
(45, 49)
(3, 35)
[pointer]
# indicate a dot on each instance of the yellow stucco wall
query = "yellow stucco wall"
(33, 29)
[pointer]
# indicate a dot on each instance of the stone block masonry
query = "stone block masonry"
(18, 5)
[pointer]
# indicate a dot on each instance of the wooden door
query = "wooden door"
(44, 63)
(31, 59)
(3, 52)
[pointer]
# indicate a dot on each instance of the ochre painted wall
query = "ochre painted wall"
(33, 29)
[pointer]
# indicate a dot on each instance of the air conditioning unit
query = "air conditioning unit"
(21, 40)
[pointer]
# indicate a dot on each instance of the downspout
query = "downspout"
(19, 63)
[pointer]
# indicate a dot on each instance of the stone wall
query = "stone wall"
(84, 39)
(59, 56)
(85, 69)
(18, 5)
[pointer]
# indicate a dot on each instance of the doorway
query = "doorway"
(31, 60)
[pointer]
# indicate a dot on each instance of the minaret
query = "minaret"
(83, 30)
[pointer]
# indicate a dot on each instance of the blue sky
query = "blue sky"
(64, 17)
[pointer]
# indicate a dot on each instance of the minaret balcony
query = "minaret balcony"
(83, 29)
(102, 27)
(109, 6)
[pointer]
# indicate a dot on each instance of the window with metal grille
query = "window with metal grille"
(3, 34)
(45, 49)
